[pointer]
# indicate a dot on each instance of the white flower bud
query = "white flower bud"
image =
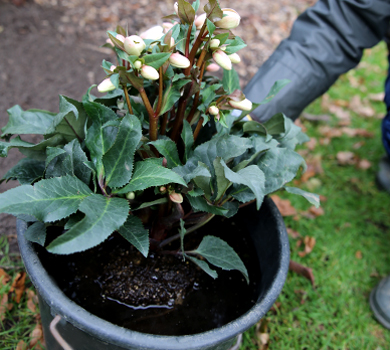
(153, 33)
(112, 68)
(176, 7)
(230, 21)
(109, 41)
(176, 197)
(130, 195)
(120, 37)
(213, 110)
(234, 58)
(167, 26)
(214, 43)
(199, 21)
(172, 43)
(179, 61)
(134, 45)
(222, 59)
(148, 72)
(137, 64)
(213, 67)
(244, 105)
(106, 85)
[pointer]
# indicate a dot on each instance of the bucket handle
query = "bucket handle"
(57, 335)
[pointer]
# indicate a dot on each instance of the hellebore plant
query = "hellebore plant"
(166, 149)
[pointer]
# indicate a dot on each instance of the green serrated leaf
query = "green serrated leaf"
(48, 200)
(222, 182)
(275, 125)
(68, 161)
(186, 12)
(148, 174)
(118, 160)
(213, 11)
(200, 204)
(172, 94)
(70, 121)
(250, 176)
(226, 147)
(311, 197)
(192, 169)
(188, 139)
(234, 45)
(169, 150)
(232, 207)
(156, 60)
(242, 193)
(33, 121)
(36, 233)
(103, 216)
(204, 266)
(210, 27)
(219, 253)
(222, 37)
(133, 230)
(230, 80)
(99, 139)
(280, 166)
(26, 171)
(254, 126)
(196, 5)
(150, 204)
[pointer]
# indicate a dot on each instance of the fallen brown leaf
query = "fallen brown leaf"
(345, 158)
(358, 145)
(356, 105)
(353, 81)
(316, 118)
(292, 233)
(358, 254)
(284, 206)
(316, 211)
(262, 335)
(311, 144)
(341, 103)
(36, 337)
(32, 300)
(3, 306)
(21, 345)
(302, 270)
(339, 112)
(364, 164)
(309, 245)
(379, 97)
(18, 286)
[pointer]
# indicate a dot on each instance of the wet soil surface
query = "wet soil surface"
(162, 295)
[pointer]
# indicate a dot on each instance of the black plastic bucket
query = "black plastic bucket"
(82, 330)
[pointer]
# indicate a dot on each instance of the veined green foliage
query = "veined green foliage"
(156, 150)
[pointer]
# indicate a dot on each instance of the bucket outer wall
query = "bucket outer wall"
(83, 330)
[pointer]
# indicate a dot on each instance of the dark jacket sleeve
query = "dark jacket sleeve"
(326, 40)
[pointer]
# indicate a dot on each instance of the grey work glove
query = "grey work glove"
(326, 41)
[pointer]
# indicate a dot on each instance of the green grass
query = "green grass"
(20, 321)
(336, 314)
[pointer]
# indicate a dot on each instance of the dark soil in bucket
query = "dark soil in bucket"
(163, 294)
